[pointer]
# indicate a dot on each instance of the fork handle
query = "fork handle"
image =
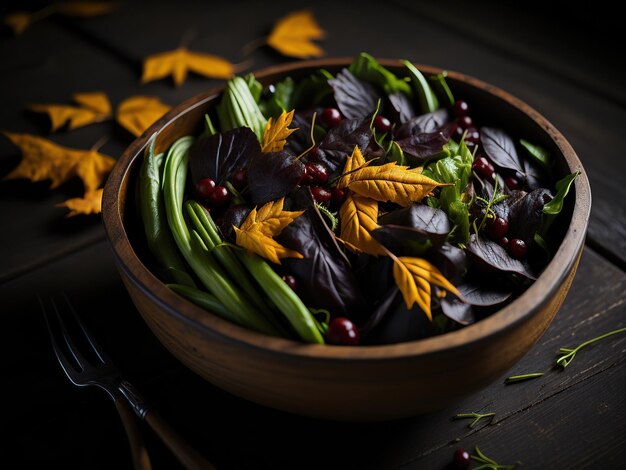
(141, 460)
(186, 454)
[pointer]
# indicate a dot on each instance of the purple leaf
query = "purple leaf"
(272, 176)
(493, 255)
(402, 107)
(500, 148)
(457, 310)
(426, 144)
(429, 122)
(355, 98)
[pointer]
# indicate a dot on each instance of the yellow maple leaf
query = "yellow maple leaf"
(137, 113)
(391, 182)
(17, 21)
(292, 35)
(414, 276)
(95, 107)
(84, 9)
(276, 132)
(179, 61)
(90, 203)
(359, 216)
(353, 163)
(46, 160)
(257, 230)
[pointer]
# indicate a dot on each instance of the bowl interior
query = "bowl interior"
(490, 106)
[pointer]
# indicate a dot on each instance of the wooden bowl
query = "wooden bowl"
(348, 383)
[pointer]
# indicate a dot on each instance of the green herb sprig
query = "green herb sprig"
(477, 417)
(567, 355)
(522, 378)
(490, 464)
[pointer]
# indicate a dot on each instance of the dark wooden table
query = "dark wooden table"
(562, 61)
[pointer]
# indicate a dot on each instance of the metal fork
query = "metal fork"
(100, 371)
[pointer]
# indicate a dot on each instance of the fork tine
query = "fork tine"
(95, 346)
(68, 368)
(71, 346)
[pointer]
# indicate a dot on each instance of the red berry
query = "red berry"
(306, 178)
(220, 197)
(330, 117)
(504, 242)
(462, 459)
(483, 167)
(320, 194)
(460, 109)
(239, 179)
(316, 173)
(382, 124)
(290, 281)
(314, 154)
(342, 331)
(205, 187)
(511, 183)
(472, 137)
(517, 248)
(338, 195)
(497, 228)
(466, 122)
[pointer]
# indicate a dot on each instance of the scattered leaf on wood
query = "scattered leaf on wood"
(292, 35)
(179, 61)
(257, 230)
(90, 203)
(137, 113)
(84, 9)
(359, 216)
(94, 107)
(46, 160)
(17, 21)
(276, 132)
(391, 182)
(414, 277)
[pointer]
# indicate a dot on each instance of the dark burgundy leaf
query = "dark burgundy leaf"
(300, 140)
(355, 98)
(402, 107)
(233, 216)
(409, 229)
(340, 141)
(500, 148)
(457, 310)
(503, 208)
(425, 145)
(272, 176)
(381, 310)
(451, 261)
(429, 122)
(217, 156)
(525, 214)
(484, 295)
(403, 241)
(534, 174)
(324, 276)
(492, 254)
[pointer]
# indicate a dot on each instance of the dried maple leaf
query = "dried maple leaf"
(391, 182)
(276, 132)
(414, 276)
(353, 163)
(359, 216)
(17, 21)
(137, 113)
(46, 160)
(292, 35)
(84, 9)
(256, 232)
(90, 203)
(95, 107)
(179, 61)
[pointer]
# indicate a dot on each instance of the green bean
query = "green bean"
(425, 95)
(204, 300)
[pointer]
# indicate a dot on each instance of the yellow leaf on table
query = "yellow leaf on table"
(137, 113)
(359, 216)
(43, 159)
(17, 21)
(391, 182)
(95, 107)
(90, 203)
(353, 163)
(84, 9)
(292, 35)
(414, 276)
(257, 230)
(178, 62)
(276, 132)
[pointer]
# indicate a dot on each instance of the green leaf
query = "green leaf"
(539, 154)
(281, 100)
(366, 68)
(312, 90)
(425, 95)
(209, 128)
(562, 189)
(396, 154)
(238, 108)
(256, 88)
(441, 86)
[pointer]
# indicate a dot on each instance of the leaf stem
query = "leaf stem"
(477, 417)
(521, 378)
(567, 355)
(490, 464)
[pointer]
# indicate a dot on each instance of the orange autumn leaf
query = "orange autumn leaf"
(94, 107)
(392, 182)
(84, 9)
(43, 159)
(258, 229)
(90, 203)
(359, 216)
(17, 21)
(414, 276)
(179, 61)
(353, 163)
(292, 35)
(137, 113)
(276, 132)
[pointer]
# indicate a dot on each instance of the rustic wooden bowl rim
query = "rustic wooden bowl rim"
(528, 304)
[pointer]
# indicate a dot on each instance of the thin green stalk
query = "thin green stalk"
(521, 378)
(567, 355)
(204, 300)
(490, 464)
(477, 417)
